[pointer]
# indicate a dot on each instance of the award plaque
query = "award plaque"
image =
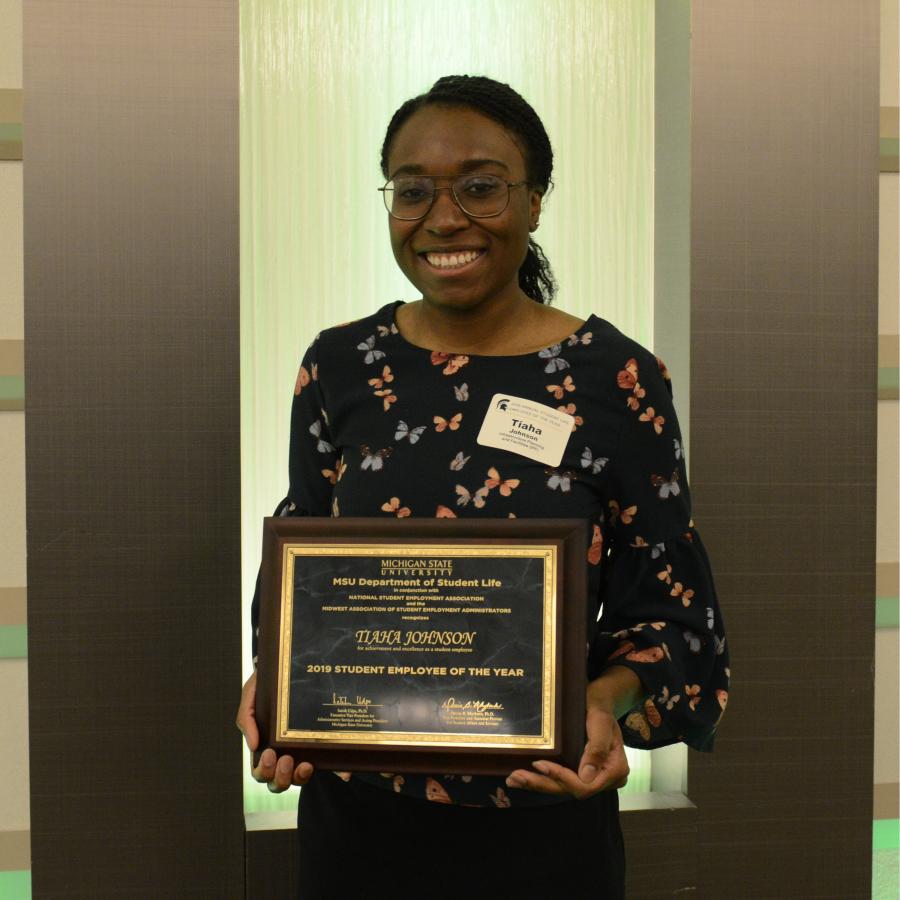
(423, 645)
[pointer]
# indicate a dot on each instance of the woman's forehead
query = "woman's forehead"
(452, 137)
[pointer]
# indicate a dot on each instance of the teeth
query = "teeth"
(452, 260)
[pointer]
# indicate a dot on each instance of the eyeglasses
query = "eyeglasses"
(410, 197)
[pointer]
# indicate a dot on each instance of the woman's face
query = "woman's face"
(452, 141)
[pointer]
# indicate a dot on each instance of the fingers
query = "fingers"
(604, 752)
(534, 781)
(279, 773)
(264, 770)
(595, 758)
(592, 761)
(246, 721)
(611, 773)
(557, 779)
(285, 774)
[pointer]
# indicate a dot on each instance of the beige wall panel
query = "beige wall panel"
(12, 320)
(890, 60)
(12, 501)
(887, 705)
(888, 254)
(14, 812)
(11, 43)
(887, 538)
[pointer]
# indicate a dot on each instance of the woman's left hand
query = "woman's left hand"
(603, 765)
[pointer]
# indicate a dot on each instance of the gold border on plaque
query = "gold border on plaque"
(548, 695)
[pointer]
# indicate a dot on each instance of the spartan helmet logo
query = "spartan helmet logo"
(503, 403)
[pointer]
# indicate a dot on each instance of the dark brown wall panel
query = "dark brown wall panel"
(784, 313)
(132, 368)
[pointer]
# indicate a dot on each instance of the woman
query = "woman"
(385, 421)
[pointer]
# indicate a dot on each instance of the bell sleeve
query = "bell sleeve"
(314, 462)
(659, 612)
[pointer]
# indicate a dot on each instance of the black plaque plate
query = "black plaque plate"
(423, 645)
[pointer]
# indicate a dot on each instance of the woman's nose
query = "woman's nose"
(445, 214)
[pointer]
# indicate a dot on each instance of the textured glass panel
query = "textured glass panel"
(319, 82)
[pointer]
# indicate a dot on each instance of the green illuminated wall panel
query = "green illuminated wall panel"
(319, 82)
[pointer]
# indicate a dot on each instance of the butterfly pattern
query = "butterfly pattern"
(452, 363)
(393, 506)
(594, 463)
(303, 379)
(653, 606)
(570, 410)
(553, 361)
(559, 390)
(371, 354)
(459, 461)
(505, 486)
(442, 424)
(666, 488)
(404, 431)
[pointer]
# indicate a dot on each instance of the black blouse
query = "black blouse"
(380, 427)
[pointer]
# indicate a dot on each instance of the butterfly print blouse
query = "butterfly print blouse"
(380, 427)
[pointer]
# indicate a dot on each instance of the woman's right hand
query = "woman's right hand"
(278, 773)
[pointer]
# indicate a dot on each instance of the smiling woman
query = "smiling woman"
(410, 386)
(462, 236)
(459, 261)
(465, 127)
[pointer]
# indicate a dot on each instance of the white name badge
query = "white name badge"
(530, 429)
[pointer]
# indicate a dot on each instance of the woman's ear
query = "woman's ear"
(535, 209)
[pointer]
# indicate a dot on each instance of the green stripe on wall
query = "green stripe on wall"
(888, 127)
(15, 885)
(887, 612)
(886, 834)
(11, 108)
(13, 644)
(12, 387)
(12, 392)
(888, 383)
(885, 874)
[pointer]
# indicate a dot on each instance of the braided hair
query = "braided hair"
(501, 103)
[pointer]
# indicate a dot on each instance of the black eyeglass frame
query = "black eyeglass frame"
(509, 186)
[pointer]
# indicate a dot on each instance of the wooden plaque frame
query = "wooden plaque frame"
(564, 541)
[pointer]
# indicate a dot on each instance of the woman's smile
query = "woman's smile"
(452, 262)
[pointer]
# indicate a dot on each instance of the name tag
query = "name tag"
(530, 429)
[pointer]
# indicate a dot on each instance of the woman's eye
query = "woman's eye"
(413, 191)
(481, 187)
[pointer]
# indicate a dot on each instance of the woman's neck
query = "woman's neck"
(516, 325)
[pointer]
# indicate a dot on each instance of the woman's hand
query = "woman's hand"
(278, 773)
(603, 766)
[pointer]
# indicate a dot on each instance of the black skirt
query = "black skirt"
(359, 841)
